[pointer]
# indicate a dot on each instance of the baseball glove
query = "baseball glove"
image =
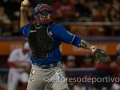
(101, 56)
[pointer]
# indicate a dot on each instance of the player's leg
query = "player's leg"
(60, 86)
(24, 79)
(57, 78)
(13, 78)
(48, 87)
(35, 81)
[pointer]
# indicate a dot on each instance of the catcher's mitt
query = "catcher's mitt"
(101, 56)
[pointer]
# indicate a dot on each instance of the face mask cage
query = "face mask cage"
(44, 13)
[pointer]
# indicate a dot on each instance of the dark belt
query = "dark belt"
(47, 66)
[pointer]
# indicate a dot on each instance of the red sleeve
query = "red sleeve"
(12, 64)
(102, 66)
(116, 69)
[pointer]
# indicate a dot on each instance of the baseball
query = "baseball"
(25, 2)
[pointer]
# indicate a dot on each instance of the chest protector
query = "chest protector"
(40, 42)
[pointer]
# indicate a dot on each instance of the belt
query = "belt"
(47, 66)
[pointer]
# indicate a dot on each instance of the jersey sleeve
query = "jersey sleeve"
(67, 37)
(12, 57)
(25, 30)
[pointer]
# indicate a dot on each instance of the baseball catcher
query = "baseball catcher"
(45, 37)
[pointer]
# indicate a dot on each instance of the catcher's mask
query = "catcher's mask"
(43, 13)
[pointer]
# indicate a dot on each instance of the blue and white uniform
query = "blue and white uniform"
(59, 34)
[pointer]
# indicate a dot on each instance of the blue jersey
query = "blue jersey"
(59, 34)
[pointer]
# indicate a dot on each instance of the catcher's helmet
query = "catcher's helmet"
(43, 13)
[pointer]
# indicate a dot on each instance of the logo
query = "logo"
(33, 30)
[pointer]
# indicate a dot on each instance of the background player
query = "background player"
(19, 64)
(44, 38)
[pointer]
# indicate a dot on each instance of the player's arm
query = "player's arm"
(13, 64)
(100, 56)
(12, 59)
(86, 45)
(23, 16)
(24, 23)
(67, 37)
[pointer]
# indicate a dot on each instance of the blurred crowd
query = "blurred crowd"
(102, 80)
(66, 11)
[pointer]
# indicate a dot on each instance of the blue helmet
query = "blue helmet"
(43, 13)
(42, 8)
